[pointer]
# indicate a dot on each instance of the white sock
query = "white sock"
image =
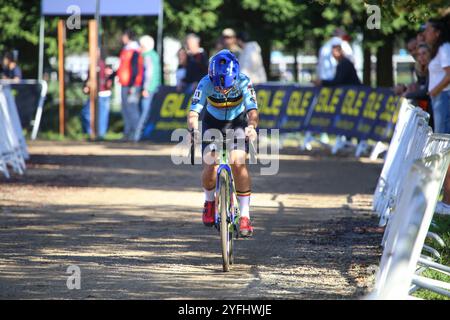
(244, 204)
(209, 194)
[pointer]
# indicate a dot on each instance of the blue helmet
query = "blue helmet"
(223, 69)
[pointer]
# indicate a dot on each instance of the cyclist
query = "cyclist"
(230, 102)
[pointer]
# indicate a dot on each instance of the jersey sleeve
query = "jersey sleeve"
(249, 94)
(199, 97)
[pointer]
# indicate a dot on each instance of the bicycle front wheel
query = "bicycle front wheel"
(225, 234)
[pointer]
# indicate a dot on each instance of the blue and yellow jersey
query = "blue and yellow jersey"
(241, 98)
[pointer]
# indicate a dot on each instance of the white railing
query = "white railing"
(399, 272)
(41, 100)
(405, 198)
(410, 137)
(13, 148)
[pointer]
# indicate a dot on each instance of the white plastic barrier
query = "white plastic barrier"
(404, 116)
(408, 230)
(41, 100)
(408, 142)
(413, 148)
(13, 148)
(435, 144)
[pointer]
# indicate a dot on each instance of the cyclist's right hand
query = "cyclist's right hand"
(193, 133)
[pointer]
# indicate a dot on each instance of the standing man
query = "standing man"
(197, 63)
(152, 80)
(230, 42)
(345, 74)
(130, 75)
(326, 67)
(10, 68)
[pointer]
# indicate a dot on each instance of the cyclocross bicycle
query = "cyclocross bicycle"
(227, 212)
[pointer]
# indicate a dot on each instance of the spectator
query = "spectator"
(151, 81)
(345, 70)
(250, 59)
(230, 42)
(420, 37)
(11, 70)
(326, 66)
(181, 70)
(436, 36)
(130, 75)
(197, 63)
(106, 76)
(418, 91)
(411, 46)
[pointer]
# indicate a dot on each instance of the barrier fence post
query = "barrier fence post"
(409, 227)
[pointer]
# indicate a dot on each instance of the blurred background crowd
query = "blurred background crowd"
(283, 41)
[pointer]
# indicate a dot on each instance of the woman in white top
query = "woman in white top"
(437, 37)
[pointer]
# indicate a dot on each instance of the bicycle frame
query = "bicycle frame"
(232, 214)
(228, 210)
(233, 211)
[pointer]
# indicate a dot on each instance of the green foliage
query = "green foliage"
(397, 17)
(443, 229)
(182, 17)
(20, 29)
(289, 24)
(18, 22)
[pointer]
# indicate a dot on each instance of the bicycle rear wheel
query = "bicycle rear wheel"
(226, 235)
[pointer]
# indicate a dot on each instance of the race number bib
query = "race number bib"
(196, 97)
(197, 94)
(252, 92)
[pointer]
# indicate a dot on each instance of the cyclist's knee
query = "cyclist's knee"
(237, 158)
(209, 159)
(209, 171)
(239, 167)
(208, 168)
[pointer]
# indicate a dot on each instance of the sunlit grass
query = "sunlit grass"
(442, 228)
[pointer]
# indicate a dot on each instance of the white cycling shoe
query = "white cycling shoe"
(442, 208)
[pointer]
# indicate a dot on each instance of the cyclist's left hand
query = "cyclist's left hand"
(250, 132)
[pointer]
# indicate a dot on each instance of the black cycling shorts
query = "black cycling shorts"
(237, 125)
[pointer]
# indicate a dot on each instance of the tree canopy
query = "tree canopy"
(292, 25)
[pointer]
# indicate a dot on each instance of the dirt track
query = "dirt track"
(131, 221)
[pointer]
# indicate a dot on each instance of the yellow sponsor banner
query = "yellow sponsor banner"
(173, 106)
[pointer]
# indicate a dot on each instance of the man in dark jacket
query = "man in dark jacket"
(197, 63)
(345, 70)
(11, 70)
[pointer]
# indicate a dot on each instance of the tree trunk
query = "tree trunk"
(385, 77)
(266, 46)
(295, 66)
(367, 68)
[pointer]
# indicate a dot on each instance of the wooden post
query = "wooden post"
(93, 55)
(61, 39)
